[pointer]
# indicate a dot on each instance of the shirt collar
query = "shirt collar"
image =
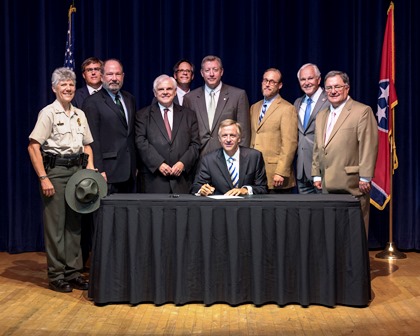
(235, 156)
(170, 108)
(315, 96)
(91, 89)
(216, 89)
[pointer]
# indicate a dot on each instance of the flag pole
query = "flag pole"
(391, 252)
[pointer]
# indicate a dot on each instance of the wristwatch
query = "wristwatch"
(43, 177)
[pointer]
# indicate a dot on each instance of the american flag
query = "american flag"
(387, 100)
(69, 54)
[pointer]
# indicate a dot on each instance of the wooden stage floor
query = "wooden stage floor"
(28, 307)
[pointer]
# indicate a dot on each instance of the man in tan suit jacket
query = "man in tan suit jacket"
(346, 144)
(274, 133)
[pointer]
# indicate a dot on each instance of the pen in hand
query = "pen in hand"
(206, 189)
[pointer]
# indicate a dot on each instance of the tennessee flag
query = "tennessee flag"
(387, 100)
(69, 54)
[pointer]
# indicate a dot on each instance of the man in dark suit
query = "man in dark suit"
(231, 170)
(307, 107)
(216, 101)
(166, 136)
(110, 113)
(91, 72)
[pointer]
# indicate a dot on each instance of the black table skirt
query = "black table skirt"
(305, 249)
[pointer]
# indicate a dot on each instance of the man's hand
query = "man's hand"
(177, 168)
(206, 190)
(364, 187)
(165, 169)
(237, 192)
(318, 185)
(278, 180)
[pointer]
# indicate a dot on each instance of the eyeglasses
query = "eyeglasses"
(92, 69)
(184, 70)
(335, 87)
(265, 81)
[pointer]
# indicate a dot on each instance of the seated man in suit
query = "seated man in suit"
(231, 170)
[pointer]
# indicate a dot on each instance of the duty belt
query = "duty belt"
(68, 161)
(52, 160)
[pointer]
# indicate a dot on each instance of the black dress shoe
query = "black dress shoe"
(79, 283)
(60, 286)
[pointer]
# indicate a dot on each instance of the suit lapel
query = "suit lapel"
(318, 106)
(223, 99)
(243, 165)
(221, 164)
(271, 110)
(256, 115)
(156, 116)
(110, 102)
(177, 120)
(345, 112)
(202, 114)
(130, 109)
(297, 107)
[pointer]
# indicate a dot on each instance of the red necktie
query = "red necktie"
(166, 121)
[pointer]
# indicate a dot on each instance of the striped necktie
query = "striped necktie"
(232, 172)
(264, 108)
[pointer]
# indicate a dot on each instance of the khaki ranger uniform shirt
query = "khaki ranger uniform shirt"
(61, 134)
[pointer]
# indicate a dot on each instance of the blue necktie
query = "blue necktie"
(264, 108)
(307, 112)
(233, 173)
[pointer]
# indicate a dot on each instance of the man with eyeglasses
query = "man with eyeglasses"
(91, 72)
(274, 133)
(110, 113)
(346, 144)
(307, 106)
(216, 101)
(184, 75)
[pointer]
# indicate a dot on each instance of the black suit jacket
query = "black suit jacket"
(154, 148)
(80, 96)
(113, 146)
(213, 170)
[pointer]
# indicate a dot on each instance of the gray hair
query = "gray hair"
(162, 78)
(61, 75)
(230, 122)
(211, 58)
(342, 74)
(317, 72)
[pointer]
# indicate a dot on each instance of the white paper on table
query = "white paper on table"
(223, 196)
